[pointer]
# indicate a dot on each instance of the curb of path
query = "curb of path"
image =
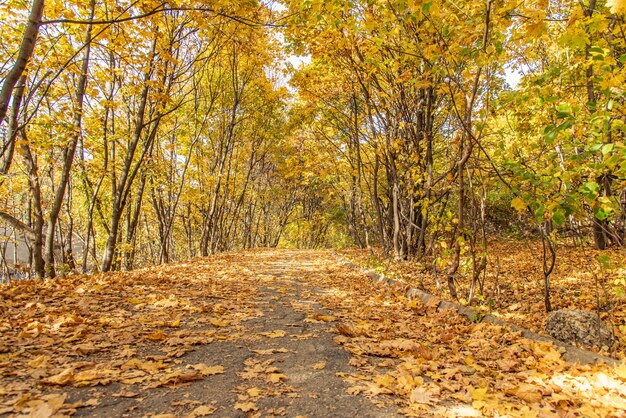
(571, 353)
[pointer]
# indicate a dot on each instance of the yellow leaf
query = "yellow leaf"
(276, 377)
(270, 351)
(617, 6)
(134, 301)
(528, 393)
(421, 395)
(201, 411)
(156, 335)
(518, 204)
(208, 370)
(246, 406)
(63, 378)
(478, 394)
(254, 392)
(319, 366)
(218, 323)
(620, 371)
(274, 334)
(355, 390)
(49, 406)
(324, 318)
(385, 380)
(38, 362)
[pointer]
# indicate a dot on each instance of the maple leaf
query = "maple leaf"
(616, 6)
(156, 335)
(207, 370)
(201, 411)
(478, 394)
(421, 395)
(528, 393)
(48, 407)
(254, 392)
(246, 406)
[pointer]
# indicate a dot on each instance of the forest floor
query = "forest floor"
(583, 278)
(272, 333)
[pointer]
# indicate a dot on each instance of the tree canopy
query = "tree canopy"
(142, 132)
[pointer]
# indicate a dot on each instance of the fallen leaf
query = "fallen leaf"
(270, 351)
(219, 323)
(324, 318)
(246, 406)
(254, 392)
(276, 377)
(38, 362)
(319, 366)
(528, 393)
(125, 394)
(156, 335)
(421, 395)
(478, 394)
(274, 334)
(355, 390)
(201, 411)
(48, 406)
(177, 377)
(63, 378)
(86, 348)
(207, 370)
(347, 330)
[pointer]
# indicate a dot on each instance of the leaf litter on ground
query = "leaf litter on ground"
(136, 329)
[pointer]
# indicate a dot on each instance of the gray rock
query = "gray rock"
(576, 326)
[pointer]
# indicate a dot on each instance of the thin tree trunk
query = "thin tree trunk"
(68, 153)
(25, 53)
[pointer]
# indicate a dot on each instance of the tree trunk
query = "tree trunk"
(27, 47)
(68, 153)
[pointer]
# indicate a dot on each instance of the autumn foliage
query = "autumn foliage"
(473, 149)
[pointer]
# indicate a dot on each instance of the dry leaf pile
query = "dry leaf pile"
(513, 288)
(128, 328)
(136, 332)
(438, 363)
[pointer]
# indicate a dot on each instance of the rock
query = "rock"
(576, 326)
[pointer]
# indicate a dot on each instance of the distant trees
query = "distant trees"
(140, 133)
(145, 132)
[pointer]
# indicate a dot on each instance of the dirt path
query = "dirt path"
(271, 333)
(275, 359)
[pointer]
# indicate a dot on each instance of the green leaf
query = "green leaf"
(600, 213)
(607, 148)
(605, 260)
(590, 190)
(558, 217)
(563, 110)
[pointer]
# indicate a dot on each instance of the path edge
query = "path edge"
(570, 353)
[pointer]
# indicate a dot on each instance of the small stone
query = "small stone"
(576, 326)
